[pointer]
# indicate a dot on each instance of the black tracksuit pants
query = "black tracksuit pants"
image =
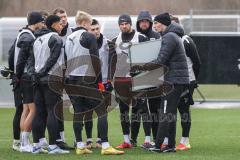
(184, 110)
(46, 100)
(88, 118)
(18, 112)
(154, 106)
(85, 98)
(168, 116)
(140, 112)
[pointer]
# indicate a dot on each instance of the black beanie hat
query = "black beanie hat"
(124, 18)
(34, 17)
(163, 18)
(52, 19)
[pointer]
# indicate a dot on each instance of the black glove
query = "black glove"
(5, 72)
(15, 82)
(136, 68)
(111, 46)
(108, 86)
(196, 84)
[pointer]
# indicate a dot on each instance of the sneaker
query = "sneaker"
(162, 150)
(44, 145)
(37, 150)
(153, 143)
(154, 149)
(124, 145)
(182, 147)
(16, 146)
(163, 146)
(133, 143)
(111, 151)
(147, 145)
(26, 149)
(64, 145)
(83, 151)
(99, 144)
(89, 144)
(168, 149)
(57, 150)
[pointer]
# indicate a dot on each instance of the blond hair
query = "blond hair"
(82, 16)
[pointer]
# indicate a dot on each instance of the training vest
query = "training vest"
(104, 56)
(122, 50)
(64, 38)
(189, 62)
(17, 49)
(79, 62)
(42, 53)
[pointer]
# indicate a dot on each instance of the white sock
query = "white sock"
(43, 141)
(105, 145)
(165, 142)
(62, 136)
(21, 138)
(184, 140)
(89, 140)
(98, 139)
(81, 145)
(147, 139)
(126, 138)
(25, 138)
(52, 146)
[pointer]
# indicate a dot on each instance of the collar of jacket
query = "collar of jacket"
(78, 28)
(64, 31)
(126, 37)
(100, 41)
(27, 29)
(53, 30)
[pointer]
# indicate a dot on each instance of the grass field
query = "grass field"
(220, 92)
(215, 135)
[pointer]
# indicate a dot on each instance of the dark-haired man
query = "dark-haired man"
(172, 55)
(149, 113)
(47, 55)
(66, 31)
(120, 72)
(21, 78)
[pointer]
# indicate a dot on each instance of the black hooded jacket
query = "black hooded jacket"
(172, 55)
(55, 44)
(192, 53)
(89, 41)
(145, 15)
(24, 42)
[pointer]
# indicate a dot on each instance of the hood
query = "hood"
(175, 28)
(41, 32)
(144, 15)
(100, 41)
(26, 27)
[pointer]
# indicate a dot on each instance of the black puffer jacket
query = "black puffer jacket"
(145, 15)
(172, 55)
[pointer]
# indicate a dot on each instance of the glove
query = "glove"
(136, 68)
(15, 82)
(108, 86)
(5, 72)
(101, 86)
(196, 84)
